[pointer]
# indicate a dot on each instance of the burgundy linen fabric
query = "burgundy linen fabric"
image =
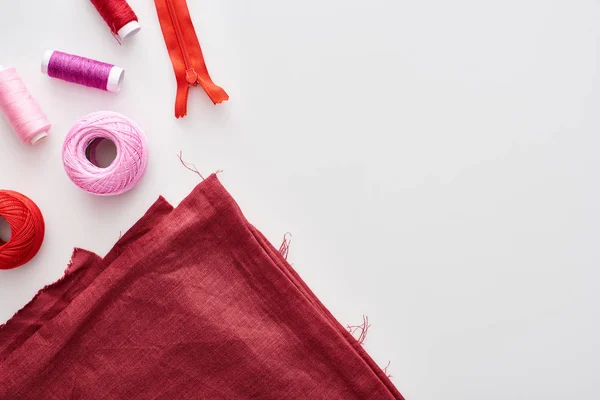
(191, 303)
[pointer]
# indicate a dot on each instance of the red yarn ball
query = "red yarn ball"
(27, 226)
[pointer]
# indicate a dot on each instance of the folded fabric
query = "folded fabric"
(191, 303)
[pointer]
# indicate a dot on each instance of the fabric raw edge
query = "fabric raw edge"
(81, 271)
(31, 317)
(309, 295)
(284, 268)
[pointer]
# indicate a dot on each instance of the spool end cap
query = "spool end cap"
(46, 61)
(115, 79)
(37, 138)
(129, 30)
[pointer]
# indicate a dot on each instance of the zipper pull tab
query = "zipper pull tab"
(191, 77)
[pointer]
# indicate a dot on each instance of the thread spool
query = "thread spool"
(83, 71)
(27, 229)
(80, 146)
(119, 17)
(20, 109)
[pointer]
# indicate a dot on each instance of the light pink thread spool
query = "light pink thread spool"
(20, 109)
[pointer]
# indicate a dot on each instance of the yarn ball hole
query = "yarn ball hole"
(101, 152)
(5, 231)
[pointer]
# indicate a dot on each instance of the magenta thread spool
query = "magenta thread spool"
(83, 71)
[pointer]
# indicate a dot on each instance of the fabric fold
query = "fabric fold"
(192, 302)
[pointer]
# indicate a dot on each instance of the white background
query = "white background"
(436, 161)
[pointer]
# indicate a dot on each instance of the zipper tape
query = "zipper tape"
(185, 53)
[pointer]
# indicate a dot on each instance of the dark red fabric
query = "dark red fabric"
(192, 303)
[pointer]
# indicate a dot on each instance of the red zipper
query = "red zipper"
(185, 53)
(190, 75)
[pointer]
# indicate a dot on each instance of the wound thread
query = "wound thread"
(119, 17)
(20, 109)
(82, 71)
(124, 172)
(27, 229)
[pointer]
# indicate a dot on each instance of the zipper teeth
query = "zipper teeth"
(179, 34)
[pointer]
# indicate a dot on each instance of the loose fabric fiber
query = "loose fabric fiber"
(191, 303)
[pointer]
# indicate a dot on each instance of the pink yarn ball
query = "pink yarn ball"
(129, 165)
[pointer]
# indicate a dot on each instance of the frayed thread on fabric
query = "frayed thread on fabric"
(189, 166)
(284, 249)
(69, 268)
(385, 370)
(362, 328)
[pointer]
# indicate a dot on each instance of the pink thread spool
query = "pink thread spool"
(20, 108)
(83, 71)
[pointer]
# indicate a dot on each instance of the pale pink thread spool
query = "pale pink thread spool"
(20, 108)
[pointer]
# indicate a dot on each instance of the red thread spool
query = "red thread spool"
(27, 229)
(119, 16)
